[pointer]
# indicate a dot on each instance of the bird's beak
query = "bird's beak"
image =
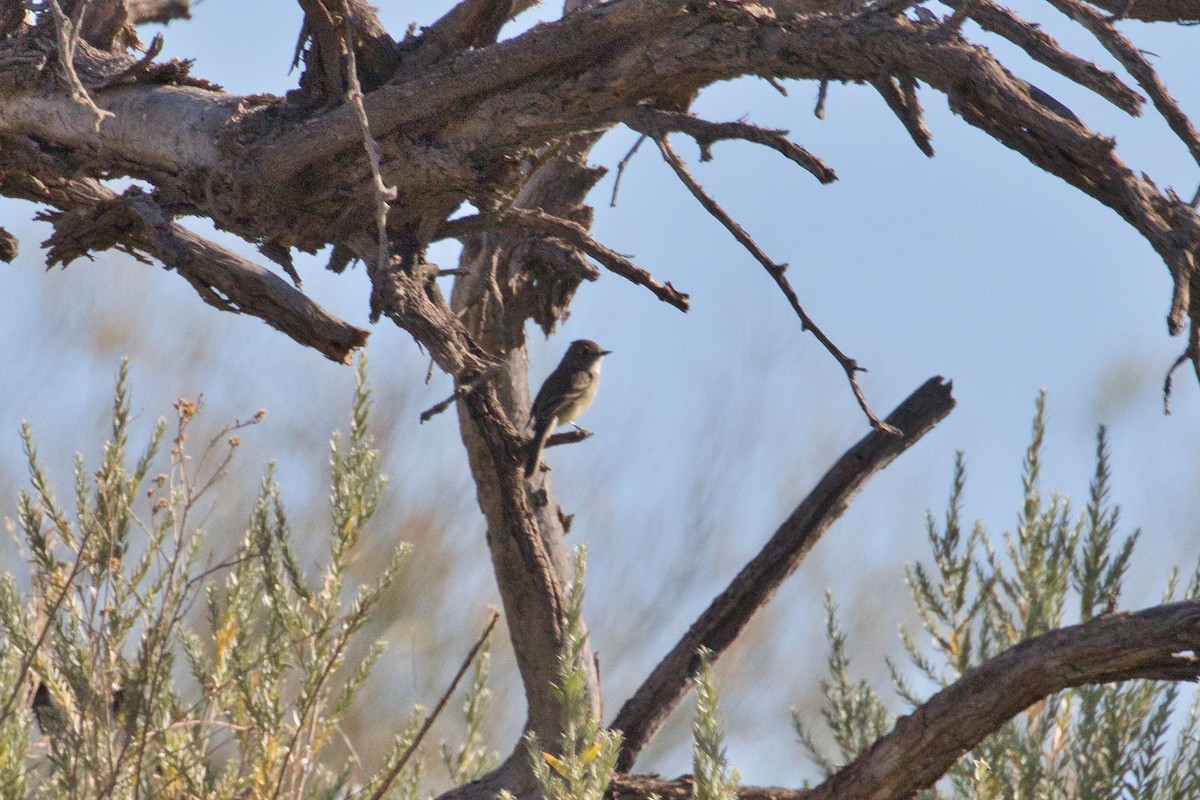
(605, 352)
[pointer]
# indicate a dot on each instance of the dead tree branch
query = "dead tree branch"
(576, 235)
(776, 271)
(718, 627)
(382, 195)
(1131, 58)
(901, 97)
(651, 121)
(96, 218)
(1159, 644)
(1043, 48)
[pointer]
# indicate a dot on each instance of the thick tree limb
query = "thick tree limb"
(645, 712)
(642, 787)
(1159, 643)
(99, 219)
(1152, 10)
(232, 283)
(472, 74)
(1042, 47)
(1132, 59)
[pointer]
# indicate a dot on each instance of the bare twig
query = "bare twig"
(822, 96)
(394, 772)
(66, 31)
(459, 391)
(573, 234)
(902, 100)
(1190, 353)
(655, 122)
(776, 271)
(578, 236)
(644, 713)
(621, 169)
(382, 194)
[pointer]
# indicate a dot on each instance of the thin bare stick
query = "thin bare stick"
(1190, 353)
(383, 194)
(573, 234)
(462, 389)
(776, 271)
(576, 235)
(718, 627)
(66, 32)
(655, 122)
(822, 96)
(394, 772)
(621, 169)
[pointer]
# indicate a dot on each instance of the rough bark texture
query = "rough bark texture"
(382, 140)
(729, 613)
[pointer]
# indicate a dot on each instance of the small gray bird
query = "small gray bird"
(566, 394)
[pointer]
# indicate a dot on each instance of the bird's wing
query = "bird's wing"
(548, 403)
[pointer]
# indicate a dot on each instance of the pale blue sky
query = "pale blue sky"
(972, 265)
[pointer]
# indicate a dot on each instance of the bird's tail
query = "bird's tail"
(541, 434)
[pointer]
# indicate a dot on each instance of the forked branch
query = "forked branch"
(650, 121)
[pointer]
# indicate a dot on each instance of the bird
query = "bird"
(566, 393)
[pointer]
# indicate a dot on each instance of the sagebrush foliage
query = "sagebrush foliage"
(578, 765)
(110, 689)
(982, 595)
